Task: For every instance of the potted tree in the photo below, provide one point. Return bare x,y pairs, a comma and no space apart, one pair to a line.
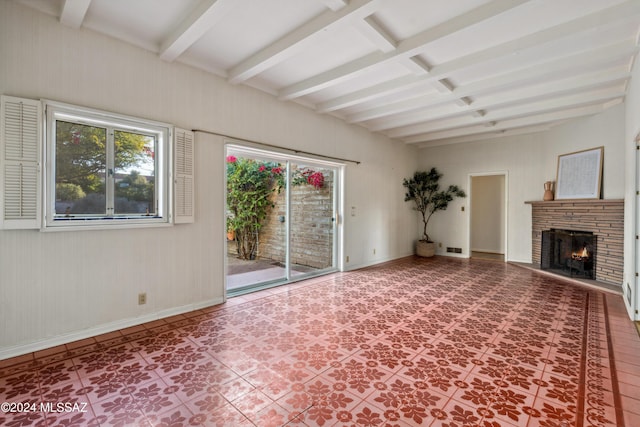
424,190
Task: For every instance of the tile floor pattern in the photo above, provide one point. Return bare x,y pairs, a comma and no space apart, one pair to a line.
439,342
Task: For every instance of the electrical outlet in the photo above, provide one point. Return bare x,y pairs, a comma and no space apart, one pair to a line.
347,258
142,298
374,251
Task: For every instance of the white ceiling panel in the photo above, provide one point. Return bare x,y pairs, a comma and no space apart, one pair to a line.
406,18
426,72
525,24
242,30
329,50
140,22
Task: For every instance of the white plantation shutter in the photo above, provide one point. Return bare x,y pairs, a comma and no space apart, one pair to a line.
183,177
20,148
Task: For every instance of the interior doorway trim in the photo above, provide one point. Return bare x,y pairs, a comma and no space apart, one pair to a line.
631,292
505,174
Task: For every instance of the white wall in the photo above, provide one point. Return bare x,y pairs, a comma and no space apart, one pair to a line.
632,131
487,213
529,160
59,286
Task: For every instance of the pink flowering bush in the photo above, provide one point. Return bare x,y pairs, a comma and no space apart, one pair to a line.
316,179
308,176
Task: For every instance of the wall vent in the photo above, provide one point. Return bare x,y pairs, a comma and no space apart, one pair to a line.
454,250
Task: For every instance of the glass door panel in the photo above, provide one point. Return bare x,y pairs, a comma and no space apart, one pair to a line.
256,244
312,224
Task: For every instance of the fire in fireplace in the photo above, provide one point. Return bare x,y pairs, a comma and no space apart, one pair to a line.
569,252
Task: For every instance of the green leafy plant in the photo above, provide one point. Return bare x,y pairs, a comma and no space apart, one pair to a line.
81,156
424,190
250,185
67,191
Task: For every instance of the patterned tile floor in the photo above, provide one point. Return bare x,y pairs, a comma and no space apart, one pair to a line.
433,342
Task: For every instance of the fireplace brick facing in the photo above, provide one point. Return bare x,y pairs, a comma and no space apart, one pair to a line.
604,218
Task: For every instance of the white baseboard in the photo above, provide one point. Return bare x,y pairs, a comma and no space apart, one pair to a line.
374,262
453,255
19,350
528,261
488,251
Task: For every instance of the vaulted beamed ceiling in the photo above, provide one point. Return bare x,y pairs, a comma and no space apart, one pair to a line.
426,72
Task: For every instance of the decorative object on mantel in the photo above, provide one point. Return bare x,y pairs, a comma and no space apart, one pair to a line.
579,174
424,190
548,191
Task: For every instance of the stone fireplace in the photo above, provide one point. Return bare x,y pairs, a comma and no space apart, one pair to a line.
603,218
569,252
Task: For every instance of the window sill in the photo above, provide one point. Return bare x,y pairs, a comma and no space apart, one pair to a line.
104,224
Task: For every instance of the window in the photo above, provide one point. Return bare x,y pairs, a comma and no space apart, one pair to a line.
100,169
104,168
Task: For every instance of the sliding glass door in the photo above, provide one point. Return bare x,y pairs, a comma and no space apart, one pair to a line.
281,218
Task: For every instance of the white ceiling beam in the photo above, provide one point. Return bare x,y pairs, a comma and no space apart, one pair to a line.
416,103
407,48
512,112
437,112
73,12
626,11
334,4
371,93
575,64
201,19
578,83
534,120
416,65
377,35
490,134
445,86
296,40
513,97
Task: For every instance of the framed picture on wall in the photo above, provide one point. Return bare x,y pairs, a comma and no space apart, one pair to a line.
579,174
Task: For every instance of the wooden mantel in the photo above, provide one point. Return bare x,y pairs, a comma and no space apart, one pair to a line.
602,217
594,202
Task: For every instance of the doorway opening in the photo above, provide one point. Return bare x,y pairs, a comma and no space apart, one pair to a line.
488,216
630,290
281,215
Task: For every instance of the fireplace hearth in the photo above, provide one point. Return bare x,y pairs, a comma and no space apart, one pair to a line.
569,252
602,217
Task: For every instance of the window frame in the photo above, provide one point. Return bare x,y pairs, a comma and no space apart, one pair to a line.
55,111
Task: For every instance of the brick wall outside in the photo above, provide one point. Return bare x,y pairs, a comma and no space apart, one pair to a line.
604,218
312,231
